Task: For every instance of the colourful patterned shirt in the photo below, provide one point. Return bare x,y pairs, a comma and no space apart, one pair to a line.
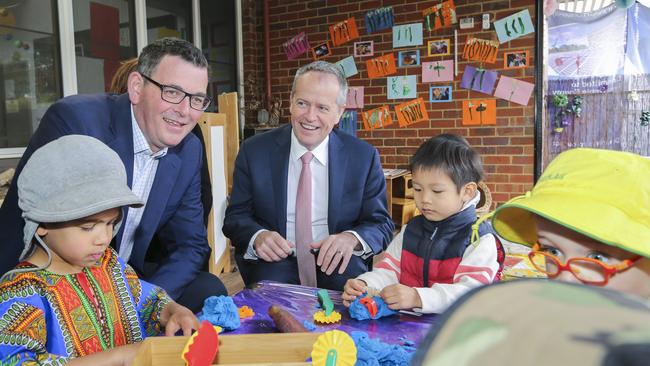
47,318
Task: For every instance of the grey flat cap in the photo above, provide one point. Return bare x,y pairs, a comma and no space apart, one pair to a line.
72,177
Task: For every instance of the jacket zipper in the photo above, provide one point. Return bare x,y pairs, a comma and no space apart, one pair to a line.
425,268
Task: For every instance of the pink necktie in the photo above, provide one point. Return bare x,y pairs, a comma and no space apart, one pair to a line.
306,261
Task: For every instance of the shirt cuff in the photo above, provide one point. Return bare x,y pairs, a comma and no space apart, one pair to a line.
250,251
365,251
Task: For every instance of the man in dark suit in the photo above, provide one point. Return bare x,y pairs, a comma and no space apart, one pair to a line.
149,127
348,221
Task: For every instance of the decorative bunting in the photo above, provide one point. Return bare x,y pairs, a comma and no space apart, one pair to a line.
480,112
440,16
381,66
376,118
296,46
411,112
343,32
481,50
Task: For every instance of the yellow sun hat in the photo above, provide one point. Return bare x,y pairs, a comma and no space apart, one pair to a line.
602,194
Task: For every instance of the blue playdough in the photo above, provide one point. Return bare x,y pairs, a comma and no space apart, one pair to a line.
309,325
373,352
359,312
221,311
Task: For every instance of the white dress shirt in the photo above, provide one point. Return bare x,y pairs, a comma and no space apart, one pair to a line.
319,196
145,165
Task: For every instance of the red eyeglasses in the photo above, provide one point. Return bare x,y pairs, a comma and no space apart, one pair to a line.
588,270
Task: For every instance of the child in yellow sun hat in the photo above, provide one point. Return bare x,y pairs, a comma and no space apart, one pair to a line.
587,220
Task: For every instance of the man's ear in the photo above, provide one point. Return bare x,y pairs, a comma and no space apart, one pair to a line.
41,231
135,84
468,191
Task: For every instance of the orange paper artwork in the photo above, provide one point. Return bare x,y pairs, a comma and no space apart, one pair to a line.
481,50
480,112
411,112
376,118
344,31
381,66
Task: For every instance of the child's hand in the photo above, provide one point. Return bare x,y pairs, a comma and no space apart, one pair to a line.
118,356
399,297
175,317
353,288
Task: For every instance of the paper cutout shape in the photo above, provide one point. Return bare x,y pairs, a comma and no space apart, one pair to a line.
514,90
481,50
376,118
515,60
411,112
381,66
439,94
296,46
348,122
437,71
408,58
343,32
348,66
480,112
364,49
355,97
479,79
514,26
202,347
407,35
439,47
321,50
379,19
440,16
401,87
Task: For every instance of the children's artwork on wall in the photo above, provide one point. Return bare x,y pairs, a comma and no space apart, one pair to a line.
515,60
514,90
437,71
296,46
381,66
379,19
364,49
407,35
402,87
408,58
355,97
514,26
440,16
348,122
376,118
480,112
479,79
411,112
321,50
348,66
343,32
481,50
439,47
439,94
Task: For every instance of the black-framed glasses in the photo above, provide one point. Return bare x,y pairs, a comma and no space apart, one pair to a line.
175,95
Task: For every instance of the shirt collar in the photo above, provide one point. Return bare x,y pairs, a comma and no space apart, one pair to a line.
140,144
320,152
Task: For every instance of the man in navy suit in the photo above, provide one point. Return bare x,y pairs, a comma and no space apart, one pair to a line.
149,128
349,219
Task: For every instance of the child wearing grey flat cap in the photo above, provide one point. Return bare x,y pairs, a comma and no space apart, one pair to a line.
71,300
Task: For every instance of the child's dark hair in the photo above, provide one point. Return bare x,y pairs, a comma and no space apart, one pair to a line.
453,155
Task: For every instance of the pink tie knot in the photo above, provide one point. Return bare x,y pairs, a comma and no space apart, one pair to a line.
306,158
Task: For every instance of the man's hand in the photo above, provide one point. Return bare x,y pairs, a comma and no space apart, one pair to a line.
272,247
175,317
333,250
399,297
353,288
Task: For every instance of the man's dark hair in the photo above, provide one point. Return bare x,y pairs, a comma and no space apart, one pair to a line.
453,155
154,52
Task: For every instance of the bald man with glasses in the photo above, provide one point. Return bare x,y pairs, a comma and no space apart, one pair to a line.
149,127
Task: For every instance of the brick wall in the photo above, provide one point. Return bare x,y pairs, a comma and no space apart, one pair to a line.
507,148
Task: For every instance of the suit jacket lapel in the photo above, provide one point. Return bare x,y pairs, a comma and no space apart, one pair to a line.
279,162
337,168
